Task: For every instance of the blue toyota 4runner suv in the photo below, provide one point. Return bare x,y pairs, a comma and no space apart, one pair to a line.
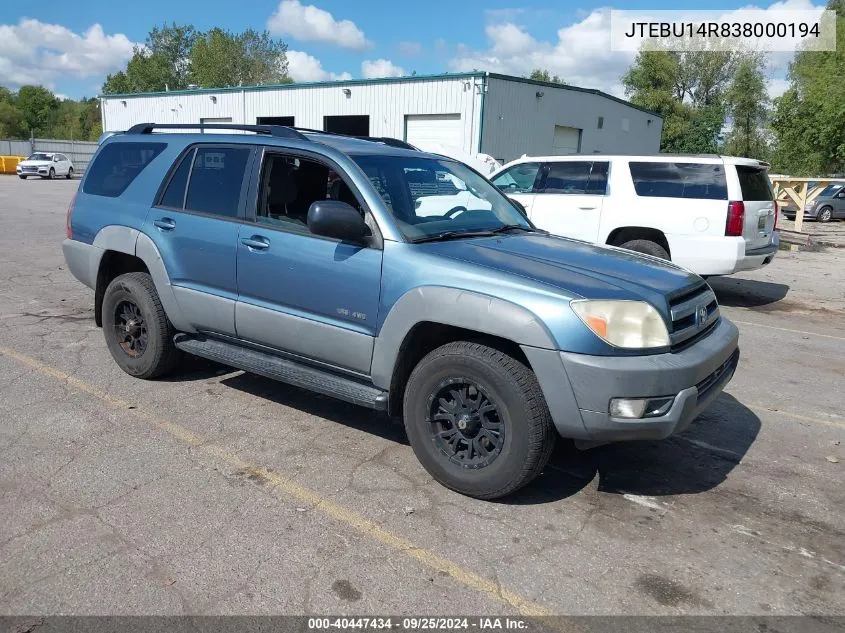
396,280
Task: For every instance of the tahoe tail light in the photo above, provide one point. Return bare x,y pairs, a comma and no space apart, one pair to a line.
736,219
777,213
68,231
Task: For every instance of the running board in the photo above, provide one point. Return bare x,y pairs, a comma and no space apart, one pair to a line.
284,370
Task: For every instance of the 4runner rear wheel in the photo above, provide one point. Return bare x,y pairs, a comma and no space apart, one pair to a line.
138,333
477,420
646,246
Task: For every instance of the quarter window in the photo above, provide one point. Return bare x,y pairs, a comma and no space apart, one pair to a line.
117,165
174,195
695,181
217,177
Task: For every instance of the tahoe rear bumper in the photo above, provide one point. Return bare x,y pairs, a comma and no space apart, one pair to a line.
580,392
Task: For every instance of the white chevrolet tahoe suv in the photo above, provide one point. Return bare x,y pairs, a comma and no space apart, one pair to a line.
714,215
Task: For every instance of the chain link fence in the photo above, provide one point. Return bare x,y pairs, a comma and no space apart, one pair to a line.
79,152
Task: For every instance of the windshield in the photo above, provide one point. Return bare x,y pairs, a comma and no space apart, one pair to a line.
38,156
829,191
429,196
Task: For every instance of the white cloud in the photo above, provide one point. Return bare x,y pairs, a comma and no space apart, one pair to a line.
311,24
581,53
410,49
305,67
374,68
776,87
34,52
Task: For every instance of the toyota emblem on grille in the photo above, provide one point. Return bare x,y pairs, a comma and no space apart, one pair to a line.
700,315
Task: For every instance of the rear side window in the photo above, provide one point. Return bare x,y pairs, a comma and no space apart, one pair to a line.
117,165
754,184
174,195
568,177
598,179
696,181
216,181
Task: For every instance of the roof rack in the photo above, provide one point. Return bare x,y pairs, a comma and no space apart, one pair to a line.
386,140
270,130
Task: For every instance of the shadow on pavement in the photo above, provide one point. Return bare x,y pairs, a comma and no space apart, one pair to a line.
696,461
747,293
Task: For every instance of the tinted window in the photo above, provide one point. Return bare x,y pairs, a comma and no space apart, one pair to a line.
518,179
216,179
174,195
830,190
754,184
117,165
679,180
568,177
598,179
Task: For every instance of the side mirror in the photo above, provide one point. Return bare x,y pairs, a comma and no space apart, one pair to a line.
338,220
519,206
841,194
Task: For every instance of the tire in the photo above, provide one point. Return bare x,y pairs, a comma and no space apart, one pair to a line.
69,175
526,434
22,177
138,333
825,214
52,174
646,246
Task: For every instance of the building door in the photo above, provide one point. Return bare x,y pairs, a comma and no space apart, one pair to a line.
275,120
431,132
567,140
353,125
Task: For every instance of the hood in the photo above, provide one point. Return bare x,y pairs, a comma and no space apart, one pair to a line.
577,268
36,163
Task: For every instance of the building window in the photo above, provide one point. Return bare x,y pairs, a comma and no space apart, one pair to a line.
600,123
626,125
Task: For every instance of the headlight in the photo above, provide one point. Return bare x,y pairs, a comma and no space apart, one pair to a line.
810,204
629,324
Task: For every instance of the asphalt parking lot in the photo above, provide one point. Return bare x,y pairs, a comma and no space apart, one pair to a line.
216,492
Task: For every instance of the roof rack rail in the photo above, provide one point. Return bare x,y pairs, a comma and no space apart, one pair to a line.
387,140
270,130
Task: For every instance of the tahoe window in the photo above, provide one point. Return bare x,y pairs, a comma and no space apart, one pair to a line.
679,180
518,179
754,184
117,165
576,178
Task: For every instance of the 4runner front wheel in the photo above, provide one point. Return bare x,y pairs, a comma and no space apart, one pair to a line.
138,333
477,420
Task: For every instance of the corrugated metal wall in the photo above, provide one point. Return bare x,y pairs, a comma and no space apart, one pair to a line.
386,103
79,152
517,122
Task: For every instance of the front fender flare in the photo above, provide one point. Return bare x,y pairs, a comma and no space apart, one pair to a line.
459,308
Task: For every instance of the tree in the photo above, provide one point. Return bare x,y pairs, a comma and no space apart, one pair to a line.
162,64
747,104
11,121
540,74
808,118
220,59
38,107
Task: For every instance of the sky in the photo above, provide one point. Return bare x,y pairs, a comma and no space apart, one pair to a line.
71,47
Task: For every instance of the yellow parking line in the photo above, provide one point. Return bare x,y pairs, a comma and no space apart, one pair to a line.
786,329
297,492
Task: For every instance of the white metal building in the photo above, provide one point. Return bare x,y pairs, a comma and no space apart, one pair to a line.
477,112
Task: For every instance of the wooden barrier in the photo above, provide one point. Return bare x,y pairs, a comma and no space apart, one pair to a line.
798,191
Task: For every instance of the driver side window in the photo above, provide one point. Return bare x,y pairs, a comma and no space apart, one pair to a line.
518,179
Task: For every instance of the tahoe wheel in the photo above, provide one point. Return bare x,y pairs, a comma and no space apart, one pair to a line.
138,333
477,420
825,214
646,246
69,173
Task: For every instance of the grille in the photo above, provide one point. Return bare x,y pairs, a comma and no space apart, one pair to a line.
29,168
729,365
694,314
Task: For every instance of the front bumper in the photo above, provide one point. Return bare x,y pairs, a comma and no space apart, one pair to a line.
694,377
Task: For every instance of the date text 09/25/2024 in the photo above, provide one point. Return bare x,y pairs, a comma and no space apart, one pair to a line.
418,623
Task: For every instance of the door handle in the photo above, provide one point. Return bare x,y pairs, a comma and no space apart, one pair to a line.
256,243
587,208
165,224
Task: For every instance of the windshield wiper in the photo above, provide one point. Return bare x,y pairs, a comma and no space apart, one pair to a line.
527,229
451,235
